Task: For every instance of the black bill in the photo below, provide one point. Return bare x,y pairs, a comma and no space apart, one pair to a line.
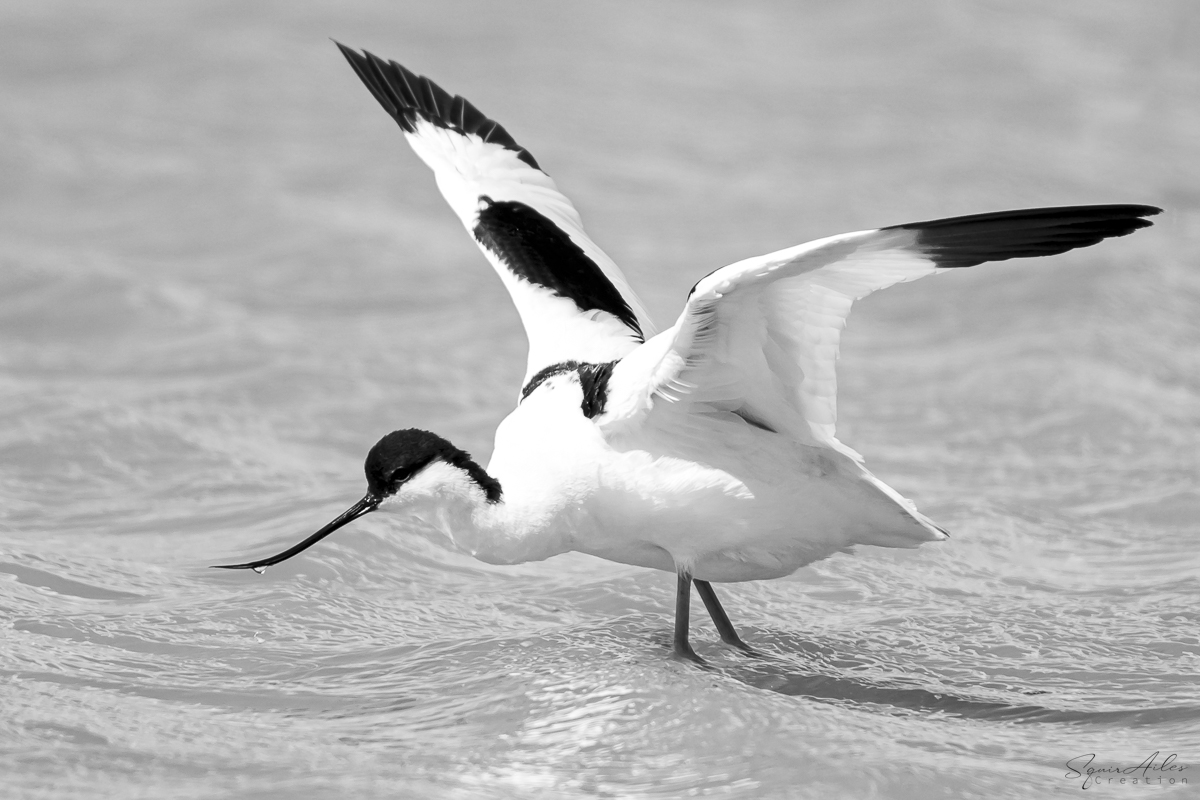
366,505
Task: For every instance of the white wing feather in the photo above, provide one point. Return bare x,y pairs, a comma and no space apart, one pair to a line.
760,337
466,169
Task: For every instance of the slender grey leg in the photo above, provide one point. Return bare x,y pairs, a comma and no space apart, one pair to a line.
719,617
683,602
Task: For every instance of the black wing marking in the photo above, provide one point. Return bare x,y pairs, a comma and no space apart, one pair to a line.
405,95
537,250
967,241
593,379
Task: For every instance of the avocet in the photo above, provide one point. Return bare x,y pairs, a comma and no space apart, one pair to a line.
707,450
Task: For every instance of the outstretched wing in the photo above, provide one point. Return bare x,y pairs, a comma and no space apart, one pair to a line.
760,338
573,300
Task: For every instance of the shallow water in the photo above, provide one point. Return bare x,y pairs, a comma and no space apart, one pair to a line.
223,276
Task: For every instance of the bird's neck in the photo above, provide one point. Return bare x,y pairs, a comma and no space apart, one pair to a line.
472,509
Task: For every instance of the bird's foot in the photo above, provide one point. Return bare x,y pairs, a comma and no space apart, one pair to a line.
684,652
738,644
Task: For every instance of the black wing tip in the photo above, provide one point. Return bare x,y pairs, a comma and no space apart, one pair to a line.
1024,233
1047,215
418,95
252,565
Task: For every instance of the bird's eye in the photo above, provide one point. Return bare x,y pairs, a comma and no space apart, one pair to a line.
400,475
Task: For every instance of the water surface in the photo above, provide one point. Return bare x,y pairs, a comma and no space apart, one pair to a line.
223,276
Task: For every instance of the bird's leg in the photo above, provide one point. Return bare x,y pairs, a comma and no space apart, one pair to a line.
683,602
719,617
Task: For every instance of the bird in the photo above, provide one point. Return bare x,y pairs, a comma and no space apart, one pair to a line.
708,449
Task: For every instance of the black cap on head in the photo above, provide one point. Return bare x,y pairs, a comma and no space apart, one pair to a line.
398,456
401,454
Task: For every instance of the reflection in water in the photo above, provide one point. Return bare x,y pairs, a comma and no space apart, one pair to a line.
895,699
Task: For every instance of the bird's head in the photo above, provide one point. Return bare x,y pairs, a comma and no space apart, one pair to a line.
403,469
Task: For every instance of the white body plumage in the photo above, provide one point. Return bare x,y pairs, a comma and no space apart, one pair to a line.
713,494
